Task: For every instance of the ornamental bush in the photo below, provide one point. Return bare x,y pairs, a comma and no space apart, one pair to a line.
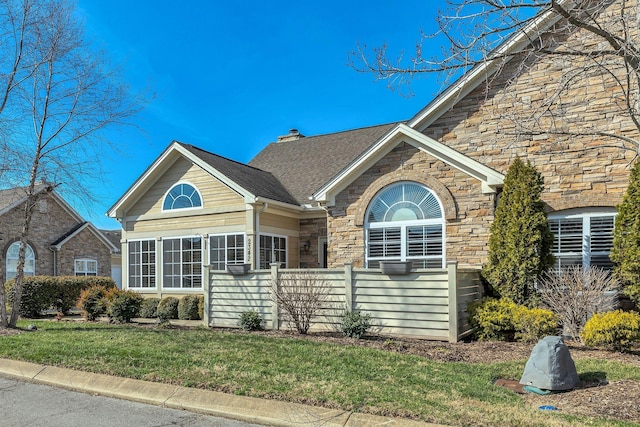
531,324
93,302
188,308
520,240
492,319
59,293
168,309
149,308
625,252
355,324
250,320
618,330
123,305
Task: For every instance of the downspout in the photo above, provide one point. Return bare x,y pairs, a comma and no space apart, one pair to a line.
256,227
55,259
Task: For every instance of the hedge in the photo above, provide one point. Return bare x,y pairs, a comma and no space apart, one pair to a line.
59,293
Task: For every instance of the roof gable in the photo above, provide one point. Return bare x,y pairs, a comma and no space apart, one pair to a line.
249,182
77,230
489,178
304,165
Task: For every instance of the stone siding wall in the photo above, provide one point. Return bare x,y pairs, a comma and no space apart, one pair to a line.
50,222
311,230
493,125
84,245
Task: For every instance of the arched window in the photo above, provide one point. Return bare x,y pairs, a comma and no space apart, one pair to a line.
12,261
182,196
404,222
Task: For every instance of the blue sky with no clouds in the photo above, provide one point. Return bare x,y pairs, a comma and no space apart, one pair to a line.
231,76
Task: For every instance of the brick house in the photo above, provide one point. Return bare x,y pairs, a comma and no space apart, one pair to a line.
422,190
61,242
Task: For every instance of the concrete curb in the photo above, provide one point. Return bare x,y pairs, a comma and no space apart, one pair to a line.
248,409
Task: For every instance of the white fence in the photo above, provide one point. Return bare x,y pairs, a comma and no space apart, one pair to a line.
428,303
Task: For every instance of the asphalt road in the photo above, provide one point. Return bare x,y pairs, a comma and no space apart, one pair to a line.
30,405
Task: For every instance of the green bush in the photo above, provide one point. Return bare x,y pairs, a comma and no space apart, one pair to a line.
93,302
618,330
520,240
355,324
492,319
59,293
124,306
250,320
188,308
531,324
149,308
167,309
201,306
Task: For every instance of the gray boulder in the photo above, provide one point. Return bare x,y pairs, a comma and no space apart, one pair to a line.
550,366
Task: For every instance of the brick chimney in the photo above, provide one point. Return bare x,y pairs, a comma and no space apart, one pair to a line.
291,136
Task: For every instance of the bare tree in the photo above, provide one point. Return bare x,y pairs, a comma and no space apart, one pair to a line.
301,296
489,36
576,293
57,96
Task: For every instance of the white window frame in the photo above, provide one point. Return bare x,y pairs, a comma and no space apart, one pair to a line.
85,270
29,261
164,198
273,250
182,263
586,215
404,229
226,248
153,278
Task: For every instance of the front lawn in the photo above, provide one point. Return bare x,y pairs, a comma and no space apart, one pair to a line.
349,377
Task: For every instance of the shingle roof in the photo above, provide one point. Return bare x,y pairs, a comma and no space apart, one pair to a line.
113,236
254,180
304,165
14,196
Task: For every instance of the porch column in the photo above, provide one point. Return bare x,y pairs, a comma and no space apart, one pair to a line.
452,270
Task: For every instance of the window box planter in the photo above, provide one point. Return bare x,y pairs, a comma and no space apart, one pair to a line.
396,267
238,269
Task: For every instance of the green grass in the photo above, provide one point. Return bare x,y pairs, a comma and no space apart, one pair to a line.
346,377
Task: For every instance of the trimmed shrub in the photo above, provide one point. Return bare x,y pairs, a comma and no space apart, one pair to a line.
167,309
492,319
618,330
250,320
188,308
93,302
149,308
123,305
60,293
355,324
520,240
531,324
201,306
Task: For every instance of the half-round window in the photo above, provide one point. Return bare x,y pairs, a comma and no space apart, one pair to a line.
182,196
12,261
404,222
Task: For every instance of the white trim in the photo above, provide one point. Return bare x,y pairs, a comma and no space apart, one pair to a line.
489,178
202,262
125,263
286,247
471,79
208,250
192,208
85,260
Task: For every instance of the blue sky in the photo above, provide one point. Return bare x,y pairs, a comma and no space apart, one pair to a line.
230,76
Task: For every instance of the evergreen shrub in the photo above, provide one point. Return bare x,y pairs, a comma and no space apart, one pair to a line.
532,324
520,240
93,302
618,330
167,309
123,305
188,308
355,324
149,308
250,320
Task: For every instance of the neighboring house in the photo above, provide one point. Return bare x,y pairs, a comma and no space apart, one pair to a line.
423,190
60,243
114,237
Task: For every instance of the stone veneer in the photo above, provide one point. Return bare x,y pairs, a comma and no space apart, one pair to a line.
50,222
493,125
311,230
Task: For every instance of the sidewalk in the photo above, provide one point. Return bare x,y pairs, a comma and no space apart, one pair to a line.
249,409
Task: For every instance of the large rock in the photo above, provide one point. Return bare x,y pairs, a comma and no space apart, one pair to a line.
550,366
